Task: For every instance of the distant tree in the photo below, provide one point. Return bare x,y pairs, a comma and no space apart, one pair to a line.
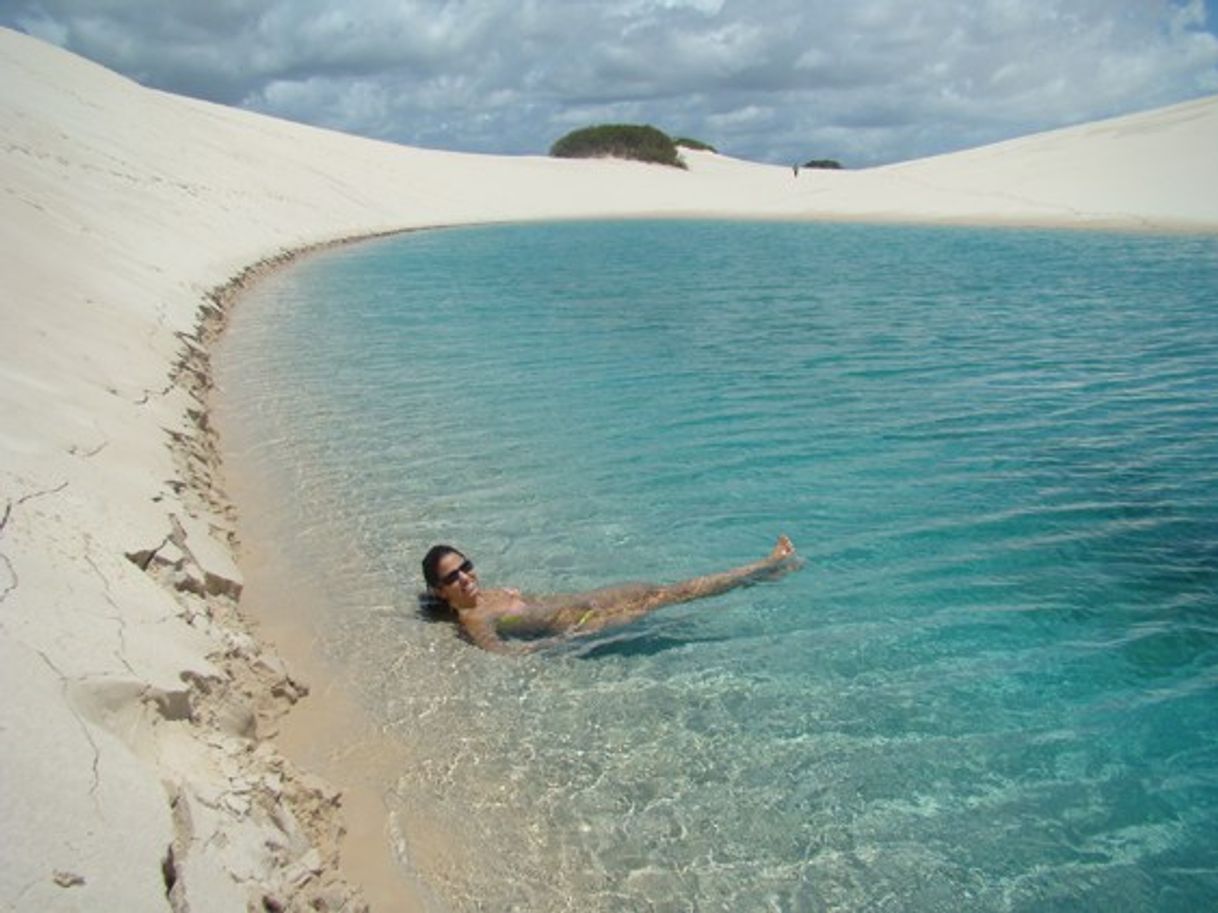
625,141
822,163
694,144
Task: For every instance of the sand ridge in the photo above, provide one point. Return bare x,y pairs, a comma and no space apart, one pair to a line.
136,771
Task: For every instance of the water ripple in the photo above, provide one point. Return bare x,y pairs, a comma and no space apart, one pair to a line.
993,687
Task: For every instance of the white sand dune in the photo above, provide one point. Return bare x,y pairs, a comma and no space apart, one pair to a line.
132,775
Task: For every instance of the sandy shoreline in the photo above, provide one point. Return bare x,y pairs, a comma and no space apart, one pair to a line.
137,773
328,733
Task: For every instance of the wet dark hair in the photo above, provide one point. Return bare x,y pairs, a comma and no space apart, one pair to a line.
432,560
433,608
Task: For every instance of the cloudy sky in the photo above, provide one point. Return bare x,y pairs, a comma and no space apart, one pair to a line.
863,81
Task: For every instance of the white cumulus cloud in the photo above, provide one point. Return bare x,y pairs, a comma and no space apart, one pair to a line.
865,82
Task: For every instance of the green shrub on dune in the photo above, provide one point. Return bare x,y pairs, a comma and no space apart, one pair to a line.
624,141
694,144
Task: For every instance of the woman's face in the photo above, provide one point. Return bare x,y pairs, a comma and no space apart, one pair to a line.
457,581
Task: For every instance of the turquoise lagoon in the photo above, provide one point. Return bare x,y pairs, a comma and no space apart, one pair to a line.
993,686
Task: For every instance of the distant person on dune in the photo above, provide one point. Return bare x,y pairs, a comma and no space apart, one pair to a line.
485,616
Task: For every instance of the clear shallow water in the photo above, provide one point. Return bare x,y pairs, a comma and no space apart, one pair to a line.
994,685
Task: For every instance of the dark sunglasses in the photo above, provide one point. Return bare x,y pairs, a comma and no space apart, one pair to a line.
466,568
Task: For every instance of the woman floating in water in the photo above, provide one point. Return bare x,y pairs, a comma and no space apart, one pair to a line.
485,616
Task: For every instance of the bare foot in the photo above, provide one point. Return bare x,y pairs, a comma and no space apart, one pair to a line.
782,549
